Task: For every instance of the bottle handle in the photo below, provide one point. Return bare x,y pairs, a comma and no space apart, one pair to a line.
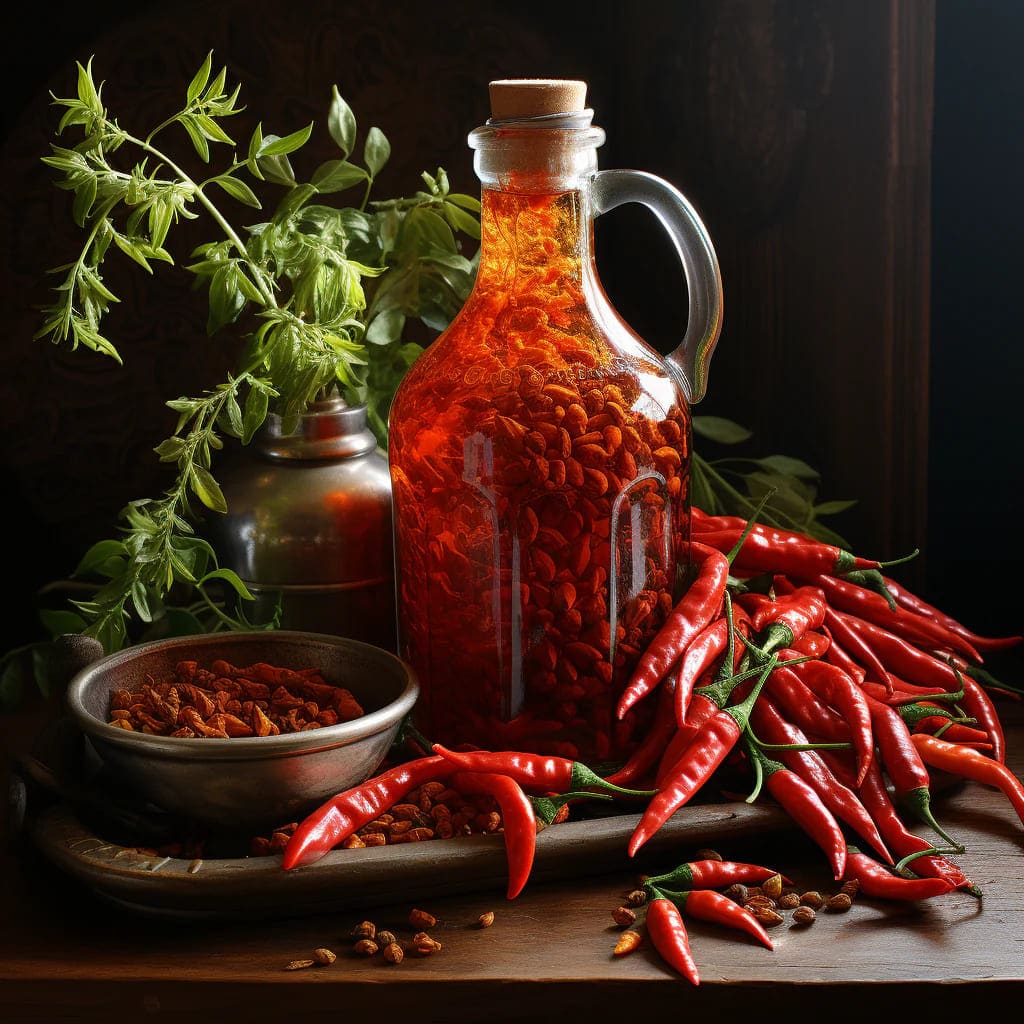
696,253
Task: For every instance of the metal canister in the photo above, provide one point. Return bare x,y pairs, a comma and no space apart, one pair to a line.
309,523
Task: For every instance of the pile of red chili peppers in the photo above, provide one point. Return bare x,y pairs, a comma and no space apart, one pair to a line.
835,686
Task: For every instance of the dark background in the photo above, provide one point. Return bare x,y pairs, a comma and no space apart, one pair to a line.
773,117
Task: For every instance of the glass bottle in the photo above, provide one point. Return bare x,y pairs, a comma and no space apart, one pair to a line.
540,451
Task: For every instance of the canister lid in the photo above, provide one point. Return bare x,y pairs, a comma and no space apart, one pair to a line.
513,98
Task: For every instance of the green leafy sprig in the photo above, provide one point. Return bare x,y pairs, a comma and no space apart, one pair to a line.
330,287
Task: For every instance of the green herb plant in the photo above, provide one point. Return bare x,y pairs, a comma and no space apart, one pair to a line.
329,288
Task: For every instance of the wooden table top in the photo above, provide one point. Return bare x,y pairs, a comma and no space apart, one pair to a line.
64,955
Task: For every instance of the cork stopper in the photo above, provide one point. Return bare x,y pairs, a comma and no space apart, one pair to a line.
514,98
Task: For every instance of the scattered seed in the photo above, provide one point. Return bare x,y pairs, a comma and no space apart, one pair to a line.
813,899
803,916
365,947
789,901
623,917
851,887
840,903
298,965
485,920
420,919
768,917
738,892
393,953
385,938
364,930
772,887
323,955
637,898
708,855
628,941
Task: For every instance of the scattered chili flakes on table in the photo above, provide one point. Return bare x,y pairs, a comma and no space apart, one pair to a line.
225,701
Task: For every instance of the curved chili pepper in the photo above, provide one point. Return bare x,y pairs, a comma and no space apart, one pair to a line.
697,608
847,597
701,709
897,836
812,644
708,905
902,692
805,807
334,821
767,549
877,882
698,658
546,773
903,764
969,764
836,655
803,708
808,764
660,732
856,647
977,704
836,688
713,874
914,603
668,934
905,660
789,617
954,732
520,825
709,748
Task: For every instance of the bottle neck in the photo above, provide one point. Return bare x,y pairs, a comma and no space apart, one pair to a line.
536,217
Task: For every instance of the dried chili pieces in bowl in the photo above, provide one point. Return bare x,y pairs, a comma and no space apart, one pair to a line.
237,782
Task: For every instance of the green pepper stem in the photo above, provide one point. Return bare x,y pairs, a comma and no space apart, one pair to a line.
583,777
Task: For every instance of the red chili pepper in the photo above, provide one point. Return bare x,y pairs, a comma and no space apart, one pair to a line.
902,762
805,807
915,604
767,549
905,660
877,882
787,618
713,874
847,597
977,704
338,818
700,711
520,825
835,655
659,734
699,657
812,644
804,709
836,688
709,748
668,934
953,732
808,764
970,764
708,905
897,836
902,692
854,644
697,608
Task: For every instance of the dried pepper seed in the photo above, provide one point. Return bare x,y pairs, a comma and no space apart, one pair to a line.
765,915
486,920
813,899
323,955
738,892
765,902
772,886
851,887
636,898
623,917
789,901
393,953
298,965
840,903
384,938
421,920
628,941
365,947
803,916
364,930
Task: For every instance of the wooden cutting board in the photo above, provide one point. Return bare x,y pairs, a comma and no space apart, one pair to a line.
257,887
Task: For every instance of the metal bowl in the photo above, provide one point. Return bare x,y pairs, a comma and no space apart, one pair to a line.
247,782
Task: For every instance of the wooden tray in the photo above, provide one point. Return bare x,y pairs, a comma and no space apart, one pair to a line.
256,887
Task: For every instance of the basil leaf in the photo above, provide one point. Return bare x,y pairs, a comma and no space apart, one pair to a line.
724,431
198,84
341,123
273,145
256,404
207,490
232,578
376,151
337,175
238,190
